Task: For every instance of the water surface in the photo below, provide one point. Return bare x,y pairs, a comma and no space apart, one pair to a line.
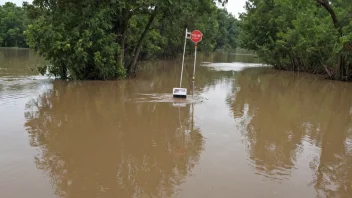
245,130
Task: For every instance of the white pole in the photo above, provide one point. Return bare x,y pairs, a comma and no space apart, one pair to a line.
183,59
193,88
195,60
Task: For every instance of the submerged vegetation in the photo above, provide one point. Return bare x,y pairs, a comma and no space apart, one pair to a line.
301,35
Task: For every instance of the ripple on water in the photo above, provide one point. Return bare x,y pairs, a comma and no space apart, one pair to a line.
166,98
272,171
14,88
274,163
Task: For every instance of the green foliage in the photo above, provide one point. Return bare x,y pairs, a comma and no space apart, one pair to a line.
219,30
227,32
105,39
13,21
82,48
299,35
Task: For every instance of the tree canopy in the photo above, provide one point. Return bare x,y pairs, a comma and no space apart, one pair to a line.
105,39
313,36
13,21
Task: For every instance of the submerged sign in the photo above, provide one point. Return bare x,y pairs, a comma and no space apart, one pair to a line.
180,92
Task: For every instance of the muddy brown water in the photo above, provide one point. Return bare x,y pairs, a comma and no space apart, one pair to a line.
244,131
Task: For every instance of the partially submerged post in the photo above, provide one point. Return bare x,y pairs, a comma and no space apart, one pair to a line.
195,36
181,92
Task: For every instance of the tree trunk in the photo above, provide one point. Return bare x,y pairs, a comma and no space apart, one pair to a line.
63,72
341,72
326,5
131,70
341,62
122,33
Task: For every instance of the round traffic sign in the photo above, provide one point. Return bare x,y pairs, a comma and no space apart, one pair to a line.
196,36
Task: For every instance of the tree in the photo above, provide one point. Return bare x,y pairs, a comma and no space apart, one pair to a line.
13,21
103,39
227,34
344,51
299,35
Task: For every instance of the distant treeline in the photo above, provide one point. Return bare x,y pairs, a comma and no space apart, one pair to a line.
13,22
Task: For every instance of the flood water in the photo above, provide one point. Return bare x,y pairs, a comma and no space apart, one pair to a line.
245,130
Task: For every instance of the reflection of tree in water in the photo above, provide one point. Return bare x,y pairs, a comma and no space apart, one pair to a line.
94,144
334,167
273,137
12,53
19,62
286,110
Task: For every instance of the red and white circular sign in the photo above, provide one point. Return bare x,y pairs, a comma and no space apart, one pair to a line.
196,36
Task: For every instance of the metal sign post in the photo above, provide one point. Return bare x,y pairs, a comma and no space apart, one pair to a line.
194,67
182,92
183,58
195,60
195,36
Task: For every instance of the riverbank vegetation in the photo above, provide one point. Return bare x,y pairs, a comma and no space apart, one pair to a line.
105,39
301,35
